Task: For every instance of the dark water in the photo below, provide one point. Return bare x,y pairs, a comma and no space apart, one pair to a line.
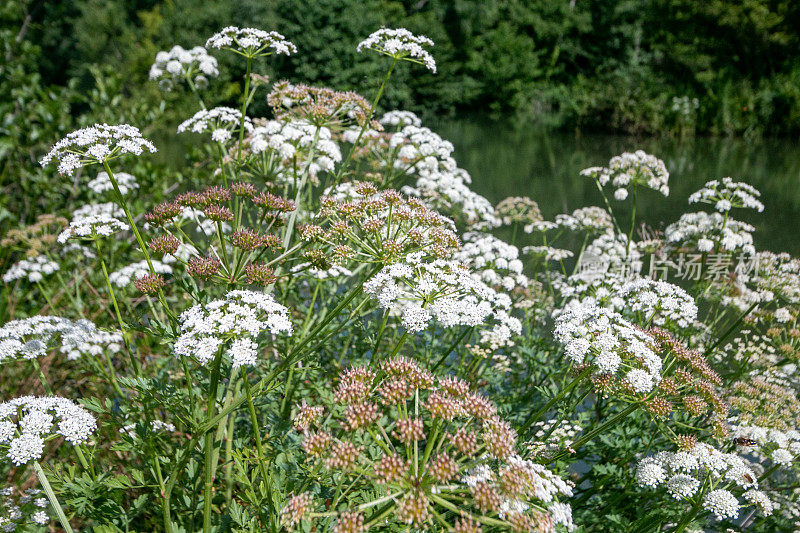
525,162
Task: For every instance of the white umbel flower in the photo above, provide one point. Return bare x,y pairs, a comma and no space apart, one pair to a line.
603,338
92,227
631,169
251,42
722,504
34,269
727,194
400,44
102,183
96,144
220,121
240,318
32,337
39,419
178,64
658,302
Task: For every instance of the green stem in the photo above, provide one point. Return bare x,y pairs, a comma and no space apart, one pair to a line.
208,478
611,422
134,362
42,377
262,463
633,223
343,166
181,462
245,99
687,518
124,205
48,490
452,347
46,297
730,330
608,206
533,417
84,462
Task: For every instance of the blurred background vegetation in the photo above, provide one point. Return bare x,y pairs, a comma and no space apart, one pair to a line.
722,67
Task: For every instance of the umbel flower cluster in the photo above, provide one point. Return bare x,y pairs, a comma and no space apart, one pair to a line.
26,423
220,121
251,42
706,475
610,345
440,447
727,194
444,293
22,510
630,170
34,269
96,144
565,377
32,337
372,227
193,66
400,44
230,326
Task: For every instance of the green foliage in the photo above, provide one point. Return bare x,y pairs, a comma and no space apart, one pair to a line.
612,65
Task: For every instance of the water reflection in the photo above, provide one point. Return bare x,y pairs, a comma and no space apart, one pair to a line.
508,162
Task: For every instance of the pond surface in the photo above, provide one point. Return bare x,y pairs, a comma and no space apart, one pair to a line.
544,166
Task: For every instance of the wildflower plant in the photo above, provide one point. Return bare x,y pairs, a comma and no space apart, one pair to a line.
425,452
484,383
401,45
711,481
22,510
727,194
177,65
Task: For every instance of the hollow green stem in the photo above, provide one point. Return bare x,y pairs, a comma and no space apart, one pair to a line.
687,518
364,127
48,490
134,362
533,417
245,100
42,377
208,451
124,205
588,436
46,296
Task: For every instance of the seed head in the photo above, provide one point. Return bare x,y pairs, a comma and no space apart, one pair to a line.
409,429
486,497
203,267
413,508
306,415
443,468
296,508
218,213
360,415
317,443
241,188
162,213
466,524
165,244
259,274
343,456
350,523
149,283
390,468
